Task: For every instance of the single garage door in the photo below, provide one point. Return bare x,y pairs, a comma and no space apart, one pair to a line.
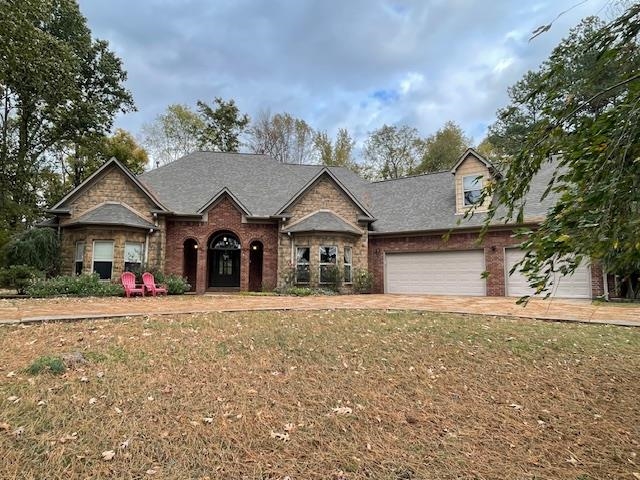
435,273
577,285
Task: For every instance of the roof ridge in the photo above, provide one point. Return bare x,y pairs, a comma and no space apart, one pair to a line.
409,176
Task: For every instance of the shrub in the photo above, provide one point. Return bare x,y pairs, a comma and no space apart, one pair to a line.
176,285
38,248
158,275
333,276
78,286
362,281
47,364
19,277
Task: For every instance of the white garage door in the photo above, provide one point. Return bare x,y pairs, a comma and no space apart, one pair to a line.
577,285
435,273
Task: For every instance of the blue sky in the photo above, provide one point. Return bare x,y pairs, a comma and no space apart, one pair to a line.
335,63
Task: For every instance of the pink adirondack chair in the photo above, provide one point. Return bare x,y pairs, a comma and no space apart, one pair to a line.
128,280
151,286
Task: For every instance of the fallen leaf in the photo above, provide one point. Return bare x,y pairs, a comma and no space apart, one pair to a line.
125,444
151,471
207,420
515,406
100,374
150,398
92,400
84,379
342,411
42,403
13,399
11,374
289,427
108,455
280,436
5,426
572,460
117,410
18,431
66,438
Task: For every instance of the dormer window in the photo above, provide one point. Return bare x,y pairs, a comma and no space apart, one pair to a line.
472,189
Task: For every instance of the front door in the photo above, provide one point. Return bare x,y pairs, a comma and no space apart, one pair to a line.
224,262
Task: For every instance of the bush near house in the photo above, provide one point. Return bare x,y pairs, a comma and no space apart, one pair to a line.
38,248
176,285
19,277
78,286
362,281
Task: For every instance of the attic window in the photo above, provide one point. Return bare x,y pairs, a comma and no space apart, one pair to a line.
472,188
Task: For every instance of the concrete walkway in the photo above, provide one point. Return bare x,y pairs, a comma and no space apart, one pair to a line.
38,310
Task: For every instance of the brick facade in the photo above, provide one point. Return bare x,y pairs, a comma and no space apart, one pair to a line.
223,216
493,245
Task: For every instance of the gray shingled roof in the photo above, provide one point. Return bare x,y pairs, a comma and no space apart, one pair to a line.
259,182
263,186
427,202
323,221
113,214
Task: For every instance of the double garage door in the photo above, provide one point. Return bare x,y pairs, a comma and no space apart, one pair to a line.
460,273
435,273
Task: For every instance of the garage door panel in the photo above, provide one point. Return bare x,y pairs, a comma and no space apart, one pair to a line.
435,273
577,285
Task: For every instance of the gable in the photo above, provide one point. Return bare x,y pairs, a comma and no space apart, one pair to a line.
223,208
469,166
111,185
325,194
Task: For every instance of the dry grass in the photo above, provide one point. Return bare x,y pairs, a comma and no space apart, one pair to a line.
431,396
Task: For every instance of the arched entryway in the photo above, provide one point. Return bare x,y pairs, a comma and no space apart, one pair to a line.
190,262
224,261
255,266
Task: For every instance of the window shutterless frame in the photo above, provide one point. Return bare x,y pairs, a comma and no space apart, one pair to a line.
328,256
302,264
102,262
472,189
78,263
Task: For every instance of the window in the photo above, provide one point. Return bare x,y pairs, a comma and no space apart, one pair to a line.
328,258
79,258
348,259
103,258
302,264
472,186
133,256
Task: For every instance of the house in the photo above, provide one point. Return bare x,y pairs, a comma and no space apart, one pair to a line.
246,222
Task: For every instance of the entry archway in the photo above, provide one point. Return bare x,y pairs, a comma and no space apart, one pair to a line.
255,266
190,262
224,261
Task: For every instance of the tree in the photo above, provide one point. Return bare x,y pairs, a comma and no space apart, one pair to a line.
589,97
442,149
173,134
57,85
223,125
283,137
391,152
338,153
38,248
79,161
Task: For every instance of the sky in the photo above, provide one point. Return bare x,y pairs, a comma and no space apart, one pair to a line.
355,64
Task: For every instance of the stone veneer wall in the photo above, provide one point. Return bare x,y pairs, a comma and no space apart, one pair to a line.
323,195
223,216
493,245
112,185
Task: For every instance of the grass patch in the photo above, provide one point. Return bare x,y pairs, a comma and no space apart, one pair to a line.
46,364
339,395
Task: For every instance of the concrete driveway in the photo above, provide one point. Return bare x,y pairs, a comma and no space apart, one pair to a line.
37,310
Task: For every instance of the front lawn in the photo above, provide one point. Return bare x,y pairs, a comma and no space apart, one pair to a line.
337,395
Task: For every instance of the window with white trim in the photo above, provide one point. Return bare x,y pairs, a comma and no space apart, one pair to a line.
328,259
472,189
303,254
103,258
133,254
78,263
348,264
